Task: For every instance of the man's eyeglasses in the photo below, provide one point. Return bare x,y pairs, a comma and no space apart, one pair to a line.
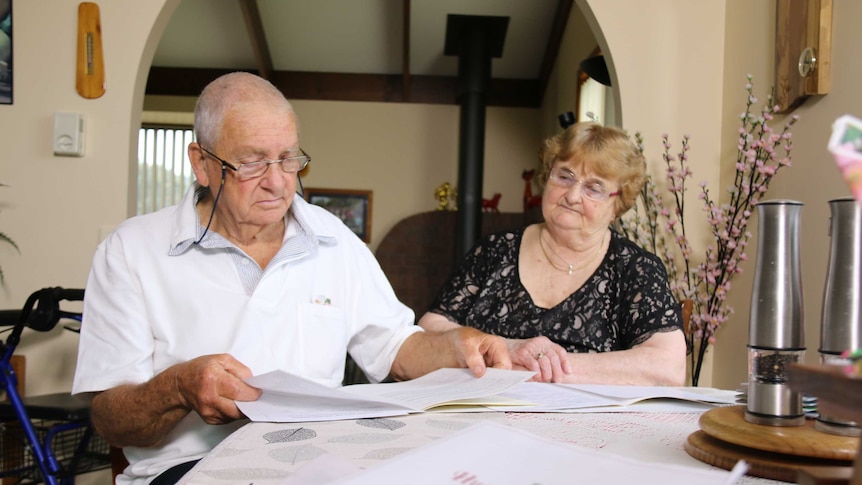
592,189
250,170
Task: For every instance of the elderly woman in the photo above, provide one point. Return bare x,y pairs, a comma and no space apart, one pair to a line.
578,302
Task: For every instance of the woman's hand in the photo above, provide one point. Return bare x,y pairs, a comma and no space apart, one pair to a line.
540,355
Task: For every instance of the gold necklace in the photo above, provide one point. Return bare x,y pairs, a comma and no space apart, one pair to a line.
571,267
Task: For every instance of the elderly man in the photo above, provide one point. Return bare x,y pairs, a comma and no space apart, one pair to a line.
242,277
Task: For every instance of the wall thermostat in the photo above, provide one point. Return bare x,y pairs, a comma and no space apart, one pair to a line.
69,134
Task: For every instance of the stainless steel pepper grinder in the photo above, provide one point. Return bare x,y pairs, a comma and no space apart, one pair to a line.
776,335
841,315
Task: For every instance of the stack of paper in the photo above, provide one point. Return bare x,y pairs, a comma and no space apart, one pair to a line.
288,398
613,398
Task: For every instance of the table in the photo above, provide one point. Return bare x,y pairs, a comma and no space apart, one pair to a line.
273,451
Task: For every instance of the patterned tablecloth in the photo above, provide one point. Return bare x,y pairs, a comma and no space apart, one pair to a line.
269,452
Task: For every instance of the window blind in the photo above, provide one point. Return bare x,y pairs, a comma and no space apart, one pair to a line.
164,171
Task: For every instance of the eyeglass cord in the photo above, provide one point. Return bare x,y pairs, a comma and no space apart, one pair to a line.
218,195
301,189
215,202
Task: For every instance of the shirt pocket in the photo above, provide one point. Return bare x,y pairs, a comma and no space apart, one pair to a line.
323,337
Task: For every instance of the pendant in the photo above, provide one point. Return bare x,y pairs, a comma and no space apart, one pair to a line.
571,269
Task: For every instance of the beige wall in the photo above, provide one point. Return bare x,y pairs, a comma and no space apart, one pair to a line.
678,67
665,59
813,179
403,151
55,208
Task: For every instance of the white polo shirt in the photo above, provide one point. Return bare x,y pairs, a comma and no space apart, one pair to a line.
154,299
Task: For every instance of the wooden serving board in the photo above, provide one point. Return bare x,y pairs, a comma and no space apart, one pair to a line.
728,424
838,393
775,466
90,65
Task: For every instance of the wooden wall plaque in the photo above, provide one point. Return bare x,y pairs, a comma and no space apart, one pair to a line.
90,65
803,41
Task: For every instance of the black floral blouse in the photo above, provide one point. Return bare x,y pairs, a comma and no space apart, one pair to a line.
621,305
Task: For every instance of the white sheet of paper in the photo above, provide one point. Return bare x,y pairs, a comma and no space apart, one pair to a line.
656,405
291,399
442,386
639,393
288,398
489,453
592,398
322,470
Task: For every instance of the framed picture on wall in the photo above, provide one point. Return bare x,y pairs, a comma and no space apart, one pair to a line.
6,52
353,207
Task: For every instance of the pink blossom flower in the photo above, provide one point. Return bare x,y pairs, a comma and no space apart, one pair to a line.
707,281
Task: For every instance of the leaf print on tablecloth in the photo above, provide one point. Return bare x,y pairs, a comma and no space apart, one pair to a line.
384,453
228,452
381,423
294,454
364,438
246,475
290,434
447,425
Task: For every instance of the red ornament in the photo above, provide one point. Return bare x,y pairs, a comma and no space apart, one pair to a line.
490,205
530,200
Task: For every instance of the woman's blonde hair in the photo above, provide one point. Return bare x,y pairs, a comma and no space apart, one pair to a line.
605,150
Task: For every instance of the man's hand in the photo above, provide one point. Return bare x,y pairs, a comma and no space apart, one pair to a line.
425,352
540,354
477,350
143,414
210,384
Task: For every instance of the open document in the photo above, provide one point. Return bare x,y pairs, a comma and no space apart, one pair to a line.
287,398
614,398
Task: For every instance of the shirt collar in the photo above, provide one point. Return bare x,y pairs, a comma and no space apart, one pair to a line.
187,228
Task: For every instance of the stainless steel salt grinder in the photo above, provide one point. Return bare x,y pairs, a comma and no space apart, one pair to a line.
776,331
841,316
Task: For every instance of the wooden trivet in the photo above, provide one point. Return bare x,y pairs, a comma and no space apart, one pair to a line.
728,424
775,466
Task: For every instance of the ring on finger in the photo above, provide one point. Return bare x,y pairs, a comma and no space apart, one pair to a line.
540,355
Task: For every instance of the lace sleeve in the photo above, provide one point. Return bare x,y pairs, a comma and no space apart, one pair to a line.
458,296
652,308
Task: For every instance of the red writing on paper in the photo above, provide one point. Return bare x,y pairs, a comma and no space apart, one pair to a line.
467,478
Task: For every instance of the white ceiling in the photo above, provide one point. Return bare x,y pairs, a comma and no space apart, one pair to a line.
353,36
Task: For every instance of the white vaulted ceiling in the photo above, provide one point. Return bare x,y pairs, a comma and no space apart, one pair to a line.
373,50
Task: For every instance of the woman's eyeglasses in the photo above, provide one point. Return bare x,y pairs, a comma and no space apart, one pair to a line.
592,189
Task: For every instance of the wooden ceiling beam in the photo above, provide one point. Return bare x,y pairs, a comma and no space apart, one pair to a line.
254,25
380,88
552,49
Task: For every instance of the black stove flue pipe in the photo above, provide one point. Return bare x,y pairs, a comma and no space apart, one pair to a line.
475,40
